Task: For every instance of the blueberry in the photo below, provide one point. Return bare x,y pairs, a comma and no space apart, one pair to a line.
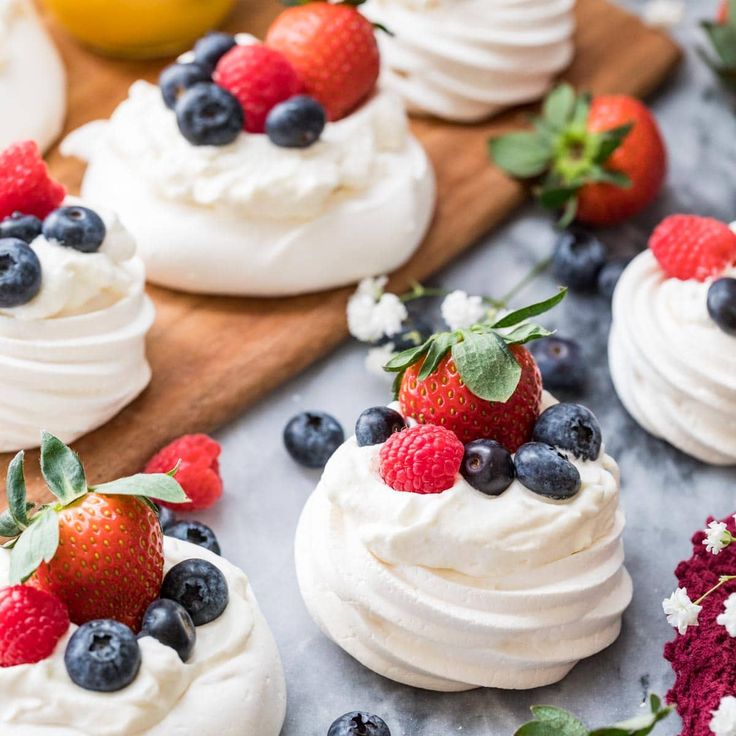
722,304
376,425
358,723
103,656
166,517
168,622
561,363
578,259
570,427
24,227
178,78
20,273
194,532
200,587
296,123
545,471
75,227
211,48
209,115
311,437
488,467
609,276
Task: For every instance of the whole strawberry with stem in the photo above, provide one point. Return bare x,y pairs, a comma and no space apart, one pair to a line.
99,549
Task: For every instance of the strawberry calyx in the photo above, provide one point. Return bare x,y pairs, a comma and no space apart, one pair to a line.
561,155
722,36
481,352
33,530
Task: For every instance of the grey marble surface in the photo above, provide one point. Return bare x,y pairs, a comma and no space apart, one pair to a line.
666,495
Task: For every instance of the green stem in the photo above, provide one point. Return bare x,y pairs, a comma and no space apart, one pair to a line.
537,271
721,582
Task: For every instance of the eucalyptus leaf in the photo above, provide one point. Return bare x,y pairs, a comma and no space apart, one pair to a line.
537,728
62,470
559,105
37,544
523,154
159,486
437,351
487,366
16,491
533,310
564,722
8,525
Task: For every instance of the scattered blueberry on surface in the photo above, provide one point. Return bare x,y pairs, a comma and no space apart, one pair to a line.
208,115
75,227
178,78
195,532
168,622
570,427
20,273
578,259
488,467
103,656
211,48
359,723
561,363
542,469
20,226
200,587
296,123
377,424
609,276
166,517
311,437
722,304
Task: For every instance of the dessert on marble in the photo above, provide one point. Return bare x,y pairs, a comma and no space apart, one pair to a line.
470,535
157,637
265,168
672,349
32,77
73,311
465,60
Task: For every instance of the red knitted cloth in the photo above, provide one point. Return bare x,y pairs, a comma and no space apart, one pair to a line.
704,659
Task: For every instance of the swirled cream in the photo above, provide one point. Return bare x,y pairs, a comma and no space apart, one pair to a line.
465,60
32,78
232,685
251,218
74,356
673,368
460,590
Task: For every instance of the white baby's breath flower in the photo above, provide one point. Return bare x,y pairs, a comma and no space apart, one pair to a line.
378,357
460,310
664,14
723,722
372,286
681,612
727,619
373,313
716,537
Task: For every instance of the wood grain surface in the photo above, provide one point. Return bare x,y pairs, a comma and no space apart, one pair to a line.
212,357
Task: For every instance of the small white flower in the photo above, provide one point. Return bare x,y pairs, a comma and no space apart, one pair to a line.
377,358
723,722
372,286
373,313
681,612
728,617
460,310
716,537
664,14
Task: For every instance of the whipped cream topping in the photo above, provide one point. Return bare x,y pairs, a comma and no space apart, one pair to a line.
673,368
233,683
459,590
466,60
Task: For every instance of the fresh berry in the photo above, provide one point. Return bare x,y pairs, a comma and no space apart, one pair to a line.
692,247
166,517
296,123
198,473
25,184
24,227
722,304
377,424
312,437
422,459
259,77
178,78
488,467
359,723
211,48
200,587
578,259
572,428
334,51
542,469
169,623
31,624
561,363
20,273
722,12
194,532
103,656
75,227
609,276
208,115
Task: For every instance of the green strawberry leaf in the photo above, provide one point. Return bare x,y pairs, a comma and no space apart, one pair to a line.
401,361
555,197
16,492
8,525
437,351
564,722
723,38
537,728
37,544
609,176
523,334
159,486
533,310
610,140
559,106
62,470
523,155
582,111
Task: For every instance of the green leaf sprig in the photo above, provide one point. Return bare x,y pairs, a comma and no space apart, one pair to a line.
722,37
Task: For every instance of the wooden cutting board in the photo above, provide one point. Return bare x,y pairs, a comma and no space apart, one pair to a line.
212,357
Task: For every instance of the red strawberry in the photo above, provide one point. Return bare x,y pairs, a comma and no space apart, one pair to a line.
31,624
259,77
334,51
25,184
722,13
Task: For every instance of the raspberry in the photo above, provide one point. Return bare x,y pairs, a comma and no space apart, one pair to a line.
259,77
691,247
25,184
421,459
199,472
31,624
